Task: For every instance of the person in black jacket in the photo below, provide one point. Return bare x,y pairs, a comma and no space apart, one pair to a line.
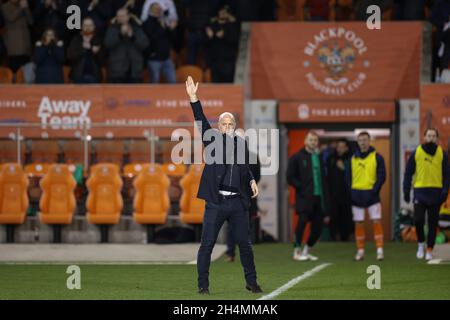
306,174
158,53
255,168
84,55
338,164
223,40
198,13
225,186
49,59
101,11
50,14
125,43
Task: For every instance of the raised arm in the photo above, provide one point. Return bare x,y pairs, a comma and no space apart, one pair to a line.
191,90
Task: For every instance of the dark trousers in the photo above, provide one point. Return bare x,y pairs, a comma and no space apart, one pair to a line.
316,219
16,62
232,210
254,231
419,220
341,222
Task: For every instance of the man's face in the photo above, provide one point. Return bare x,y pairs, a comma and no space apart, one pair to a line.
226,125
122,16
341,148
156,10
431,136
88,26
364,142
312,141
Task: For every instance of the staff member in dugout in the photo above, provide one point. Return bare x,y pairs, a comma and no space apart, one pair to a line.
366,176
429,166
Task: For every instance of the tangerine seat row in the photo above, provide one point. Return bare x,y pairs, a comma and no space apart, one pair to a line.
104,202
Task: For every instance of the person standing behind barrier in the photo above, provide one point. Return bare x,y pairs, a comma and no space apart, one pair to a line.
306,174
366,177
125,42
49,59
429,166
338,165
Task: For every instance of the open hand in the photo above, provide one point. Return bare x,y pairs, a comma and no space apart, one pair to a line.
254,187
191,89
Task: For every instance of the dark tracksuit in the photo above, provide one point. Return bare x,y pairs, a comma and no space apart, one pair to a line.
228,177
366,198
309,207
426,200
341,221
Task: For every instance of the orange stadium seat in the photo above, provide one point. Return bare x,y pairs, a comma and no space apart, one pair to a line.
189,70
13,197
57,203
151,202
104,203
6,75
66,72
192,208
20,76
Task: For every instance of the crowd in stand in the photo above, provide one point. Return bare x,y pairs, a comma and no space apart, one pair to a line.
119,39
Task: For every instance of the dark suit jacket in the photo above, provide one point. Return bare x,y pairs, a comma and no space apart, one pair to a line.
213,172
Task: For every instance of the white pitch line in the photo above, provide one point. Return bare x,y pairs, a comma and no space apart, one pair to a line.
294,281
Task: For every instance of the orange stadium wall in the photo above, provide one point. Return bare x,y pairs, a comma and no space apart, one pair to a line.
62,109
293,61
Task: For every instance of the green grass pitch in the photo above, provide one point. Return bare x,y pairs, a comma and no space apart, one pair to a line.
402,277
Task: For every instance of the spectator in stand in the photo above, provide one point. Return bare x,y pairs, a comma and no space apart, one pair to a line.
409,10
341,10
439,14
49,58
49,14
198,13
18,18
125,42
317,10
85,55
223,38
158,53
251,10
3,52
444,53
133,6
101,11
362,5
169,11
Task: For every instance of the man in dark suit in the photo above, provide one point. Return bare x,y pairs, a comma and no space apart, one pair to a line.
226,186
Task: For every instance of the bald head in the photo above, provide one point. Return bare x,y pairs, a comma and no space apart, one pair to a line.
227,123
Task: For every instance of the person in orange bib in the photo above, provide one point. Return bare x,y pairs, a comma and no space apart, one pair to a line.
366,176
